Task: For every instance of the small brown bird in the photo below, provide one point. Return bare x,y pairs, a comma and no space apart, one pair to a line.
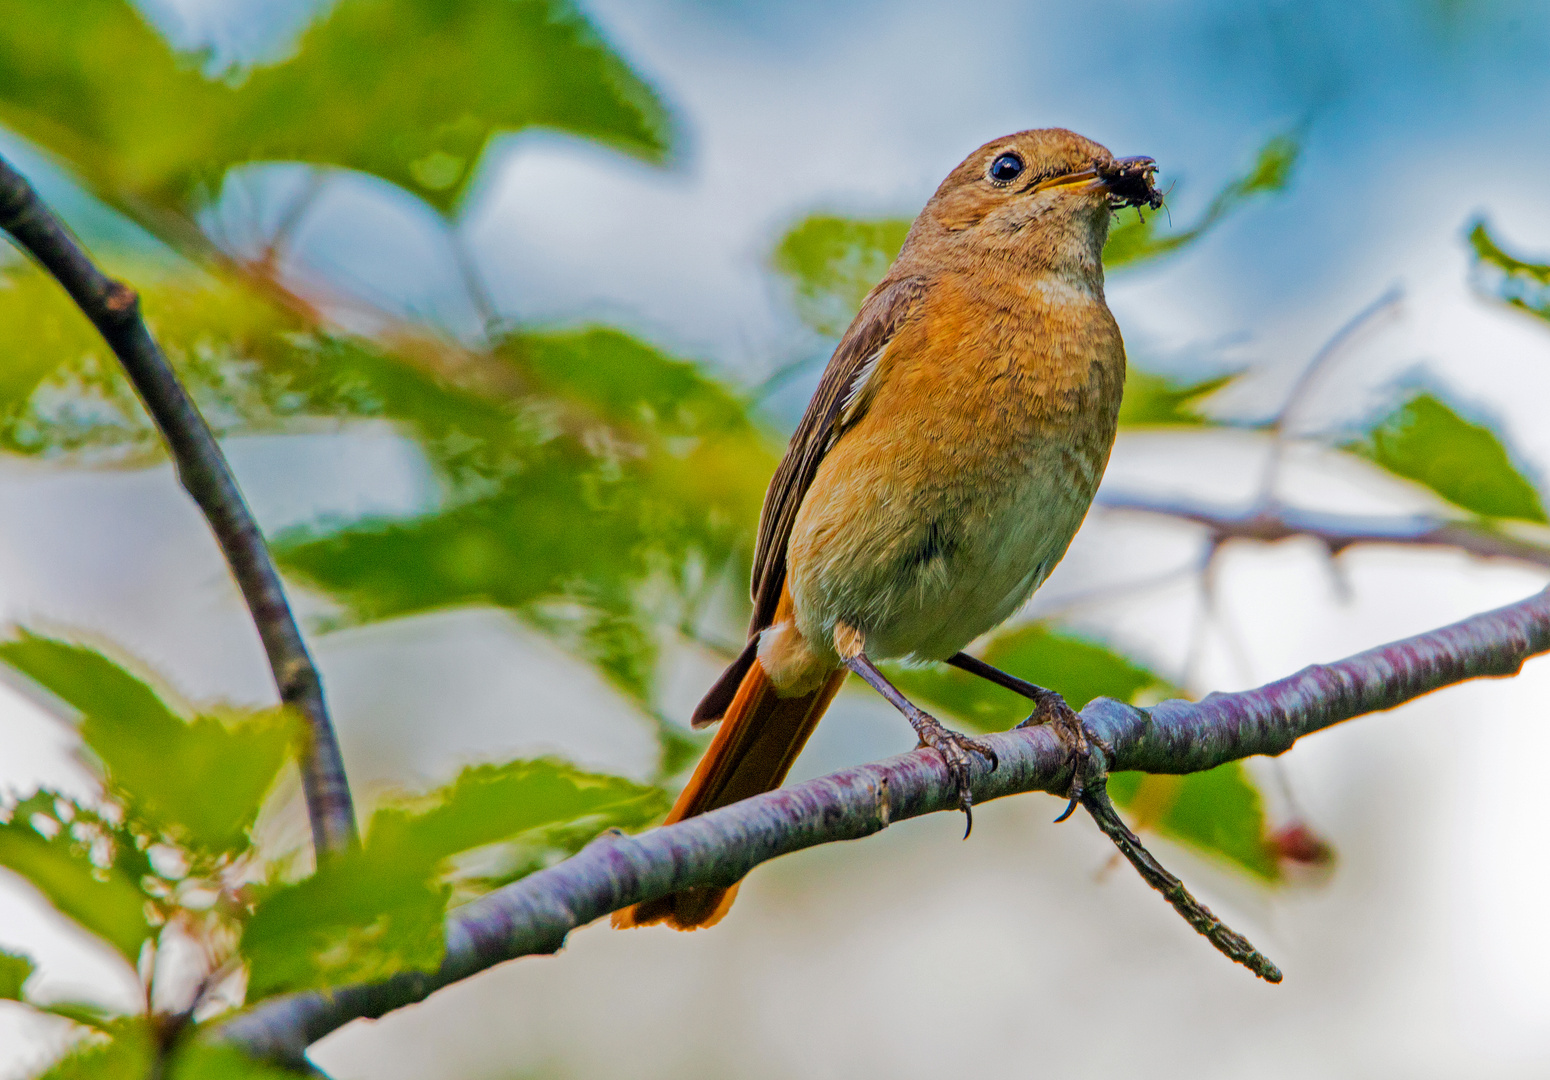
943,466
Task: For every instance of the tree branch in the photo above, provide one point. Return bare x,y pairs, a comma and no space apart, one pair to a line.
203,471
536,914
1335,531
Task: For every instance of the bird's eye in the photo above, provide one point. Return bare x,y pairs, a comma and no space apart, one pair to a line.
1006,168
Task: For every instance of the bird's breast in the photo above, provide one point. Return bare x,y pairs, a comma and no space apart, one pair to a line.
945,504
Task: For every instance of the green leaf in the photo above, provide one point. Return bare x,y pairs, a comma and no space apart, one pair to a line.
1218,811
96,85
489,803
1424,439
1522,284
408,90
15,970
126,1049
833,262
1153,400
1076,668
202,1059
158,765
81,868
413,90
1144,239
380,910
624,471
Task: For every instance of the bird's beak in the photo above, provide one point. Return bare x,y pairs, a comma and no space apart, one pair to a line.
1127,180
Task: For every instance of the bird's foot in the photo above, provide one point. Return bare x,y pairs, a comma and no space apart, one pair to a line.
954,749
1050,708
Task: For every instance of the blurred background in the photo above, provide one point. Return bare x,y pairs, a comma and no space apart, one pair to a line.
504,309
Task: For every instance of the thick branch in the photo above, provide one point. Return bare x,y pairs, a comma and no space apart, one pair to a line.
1335,531
202,469
536,914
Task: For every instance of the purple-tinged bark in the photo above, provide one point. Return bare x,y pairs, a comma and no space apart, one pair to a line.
536,914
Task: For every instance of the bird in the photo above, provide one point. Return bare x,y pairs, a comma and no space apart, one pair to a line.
948,456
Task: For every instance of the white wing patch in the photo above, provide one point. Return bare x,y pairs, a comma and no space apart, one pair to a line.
858,386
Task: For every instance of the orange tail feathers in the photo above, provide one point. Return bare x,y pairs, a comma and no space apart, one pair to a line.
760,737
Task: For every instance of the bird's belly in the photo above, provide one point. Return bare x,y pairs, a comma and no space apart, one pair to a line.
947,602
932,577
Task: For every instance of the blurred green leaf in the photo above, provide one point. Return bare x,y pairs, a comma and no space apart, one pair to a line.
156,763
1143,239
593,507
1524,285
833,262
413,90
81,868
1153,400
408,90
202,1059
379,910
127,1048
489,803
1218,811
1074,667
92,82
85,1013
15,970
1424,439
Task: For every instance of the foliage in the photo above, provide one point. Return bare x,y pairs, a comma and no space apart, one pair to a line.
1524,285
1153,400
1426,440
139,1046
407,90
164,854
15,970
380,909
833,262
1142,239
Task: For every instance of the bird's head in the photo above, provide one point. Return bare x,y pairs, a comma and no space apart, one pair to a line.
1040,197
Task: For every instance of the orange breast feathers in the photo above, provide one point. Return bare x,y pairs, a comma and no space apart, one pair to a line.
964,466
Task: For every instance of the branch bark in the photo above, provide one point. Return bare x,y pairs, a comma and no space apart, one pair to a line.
204,472
1335,531
536,914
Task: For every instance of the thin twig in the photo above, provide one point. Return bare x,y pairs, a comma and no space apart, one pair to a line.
1332,348
474,285
204,472
535,915
1230,943
1336,532
279,242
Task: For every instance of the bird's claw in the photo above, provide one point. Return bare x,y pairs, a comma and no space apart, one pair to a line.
954,750
1079,741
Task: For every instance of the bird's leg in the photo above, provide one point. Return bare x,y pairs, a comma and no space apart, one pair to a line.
953,747
1048,708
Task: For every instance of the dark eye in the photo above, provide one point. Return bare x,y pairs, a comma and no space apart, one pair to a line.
1006,168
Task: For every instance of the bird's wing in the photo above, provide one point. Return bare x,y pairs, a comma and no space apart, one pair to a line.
838,402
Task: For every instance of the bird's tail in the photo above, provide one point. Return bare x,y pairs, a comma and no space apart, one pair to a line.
761,735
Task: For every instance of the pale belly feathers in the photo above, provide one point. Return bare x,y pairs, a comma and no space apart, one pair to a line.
980,546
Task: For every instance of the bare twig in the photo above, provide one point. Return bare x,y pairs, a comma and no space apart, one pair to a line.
1332,348
536,914
203,471
279,242
1336,532
1230,943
